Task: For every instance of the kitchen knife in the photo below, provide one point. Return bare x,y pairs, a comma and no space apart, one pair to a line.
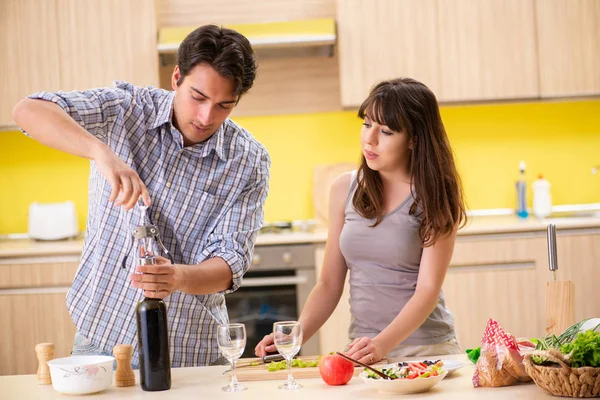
259,361
552,256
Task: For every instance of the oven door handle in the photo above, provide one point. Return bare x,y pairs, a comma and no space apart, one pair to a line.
274,281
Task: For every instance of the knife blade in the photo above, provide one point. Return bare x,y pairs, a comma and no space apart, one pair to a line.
258,361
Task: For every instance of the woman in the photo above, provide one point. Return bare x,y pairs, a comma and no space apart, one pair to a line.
393,225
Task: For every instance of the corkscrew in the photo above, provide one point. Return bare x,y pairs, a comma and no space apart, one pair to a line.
148,240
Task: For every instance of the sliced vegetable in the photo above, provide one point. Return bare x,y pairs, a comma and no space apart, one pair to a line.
410,370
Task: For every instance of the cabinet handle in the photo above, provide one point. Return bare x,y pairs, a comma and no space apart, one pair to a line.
274,281
38,290
39,260
491,267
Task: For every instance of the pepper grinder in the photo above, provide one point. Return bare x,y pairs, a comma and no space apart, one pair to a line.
44,353
124,375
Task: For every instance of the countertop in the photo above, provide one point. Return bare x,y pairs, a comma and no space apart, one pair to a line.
206,383
479,225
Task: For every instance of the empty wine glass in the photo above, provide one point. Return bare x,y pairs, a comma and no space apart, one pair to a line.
232,341
287,336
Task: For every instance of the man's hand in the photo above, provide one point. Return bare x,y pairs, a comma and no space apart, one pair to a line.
126,184
159,280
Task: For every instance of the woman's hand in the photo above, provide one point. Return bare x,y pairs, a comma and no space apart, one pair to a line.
158,281
265,346
365,350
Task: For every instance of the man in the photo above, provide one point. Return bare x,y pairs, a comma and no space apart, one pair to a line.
204,177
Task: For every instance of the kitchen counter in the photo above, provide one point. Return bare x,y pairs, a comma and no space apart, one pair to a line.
478,225
481,225
206,383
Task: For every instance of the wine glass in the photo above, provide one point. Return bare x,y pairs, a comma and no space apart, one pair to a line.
232,341
287,336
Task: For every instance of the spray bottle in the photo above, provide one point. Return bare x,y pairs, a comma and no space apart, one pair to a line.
522,192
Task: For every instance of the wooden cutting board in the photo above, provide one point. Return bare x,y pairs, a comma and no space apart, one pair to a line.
260,372
323,177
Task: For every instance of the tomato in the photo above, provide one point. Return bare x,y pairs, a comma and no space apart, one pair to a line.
336,370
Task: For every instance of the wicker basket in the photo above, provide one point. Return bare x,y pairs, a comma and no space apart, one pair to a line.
560,379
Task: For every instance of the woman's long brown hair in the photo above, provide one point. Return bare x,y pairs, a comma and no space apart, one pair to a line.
406,105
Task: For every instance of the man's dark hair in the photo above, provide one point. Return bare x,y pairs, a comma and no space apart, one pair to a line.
227,51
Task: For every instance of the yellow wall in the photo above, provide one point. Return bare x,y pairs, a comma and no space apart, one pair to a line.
559,139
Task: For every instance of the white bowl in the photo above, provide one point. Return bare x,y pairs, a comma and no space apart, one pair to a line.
81,374
402,385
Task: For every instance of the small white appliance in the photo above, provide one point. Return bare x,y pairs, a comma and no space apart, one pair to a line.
52,221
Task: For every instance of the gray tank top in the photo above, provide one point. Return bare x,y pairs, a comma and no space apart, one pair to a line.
384,264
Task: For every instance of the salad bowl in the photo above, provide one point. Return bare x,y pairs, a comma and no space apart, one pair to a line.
407,380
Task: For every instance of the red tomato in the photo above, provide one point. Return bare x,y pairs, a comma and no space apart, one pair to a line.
336,370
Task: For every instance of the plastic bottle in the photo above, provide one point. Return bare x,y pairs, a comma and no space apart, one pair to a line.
522,192
542,199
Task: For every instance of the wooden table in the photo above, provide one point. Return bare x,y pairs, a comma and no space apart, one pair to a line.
206,383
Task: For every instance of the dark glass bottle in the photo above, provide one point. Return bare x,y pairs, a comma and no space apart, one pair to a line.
151,314
153,345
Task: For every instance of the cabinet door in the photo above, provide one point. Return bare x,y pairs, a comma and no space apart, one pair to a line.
385,39
501,278
30,317
29,48
579,261
487,50
569,47
105,40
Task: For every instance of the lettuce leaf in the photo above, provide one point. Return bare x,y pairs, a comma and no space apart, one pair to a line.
584,349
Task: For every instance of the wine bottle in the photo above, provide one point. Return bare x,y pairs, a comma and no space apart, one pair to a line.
153,345
151,314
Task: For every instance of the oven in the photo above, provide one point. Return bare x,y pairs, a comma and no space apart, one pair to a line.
274,288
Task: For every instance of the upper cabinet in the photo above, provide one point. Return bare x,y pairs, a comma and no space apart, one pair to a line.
378,40
29,48
487,50
69,44
569,47
104,40
468,50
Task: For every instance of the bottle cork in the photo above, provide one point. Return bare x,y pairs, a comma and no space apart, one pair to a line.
44,353
124,375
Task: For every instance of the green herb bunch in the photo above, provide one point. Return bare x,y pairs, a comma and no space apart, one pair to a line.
582,348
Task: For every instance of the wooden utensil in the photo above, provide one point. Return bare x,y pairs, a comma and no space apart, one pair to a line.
379,373
560,295
44,353
124,375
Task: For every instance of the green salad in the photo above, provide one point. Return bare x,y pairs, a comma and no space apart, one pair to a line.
409,370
